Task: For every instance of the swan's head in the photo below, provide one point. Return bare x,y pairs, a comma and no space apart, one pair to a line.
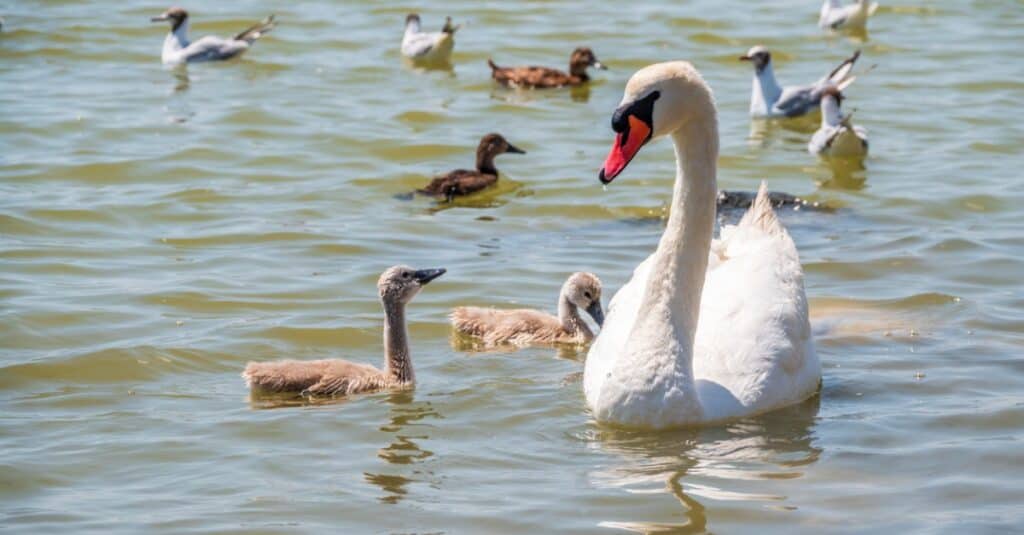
175,15
494,144
399,284
584,291
759,56
659,100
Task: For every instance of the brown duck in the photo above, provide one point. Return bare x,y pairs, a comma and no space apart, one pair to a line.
543,77
466,181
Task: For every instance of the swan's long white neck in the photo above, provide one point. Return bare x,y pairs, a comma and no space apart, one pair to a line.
176,40
766,90
661,341
831,115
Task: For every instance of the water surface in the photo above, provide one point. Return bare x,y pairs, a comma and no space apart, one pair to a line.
160,229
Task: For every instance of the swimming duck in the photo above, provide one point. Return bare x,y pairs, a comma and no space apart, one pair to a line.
178,49
837,137
522,327
466,181
706,330
769,99
836,16
335,377
428,47
544,77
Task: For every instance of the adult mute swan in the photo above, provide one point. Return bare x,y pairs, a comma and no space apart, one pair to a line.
705,330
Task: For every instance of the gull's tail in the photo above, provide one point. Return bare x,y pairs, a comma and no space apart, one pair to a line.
841,73
253,33
448,28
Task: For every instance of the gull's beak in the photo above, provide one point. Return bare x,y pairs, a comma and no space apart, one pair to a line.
626,145
424,276
161,18
514,149
598,65
595,312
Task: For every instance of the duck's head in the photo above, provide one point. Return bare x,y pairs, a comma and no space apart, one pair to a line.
582,58
399,284
659,100
759,56
176,16
584,290
494,144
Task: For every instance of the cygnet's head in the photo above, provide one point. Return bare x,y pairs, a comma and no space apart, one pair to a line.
494,144
175,15
759,56
659,100
584,290
584,57
399,284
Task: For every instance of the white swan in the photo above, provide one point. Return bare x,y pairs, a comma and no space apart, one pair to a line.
670,354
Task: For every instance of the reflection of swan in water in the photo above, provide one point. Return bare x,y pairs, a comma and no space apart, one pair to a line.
745,461
404,415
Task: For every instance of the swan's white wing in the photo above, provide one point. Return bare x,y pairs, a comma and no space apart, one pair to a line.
753,350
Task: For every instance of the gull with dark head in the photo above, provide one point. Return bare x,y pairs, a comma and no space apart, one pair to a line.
178,49
428,47
837,137
836,16
769,99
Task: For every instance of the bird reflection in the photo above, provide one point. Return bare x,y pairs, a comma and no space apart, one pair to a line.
842,173
727,463
404,415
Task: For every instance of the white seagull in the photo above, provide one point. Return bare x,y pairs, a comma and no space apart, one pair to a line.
428,47
769,99
836,16
178,49
837,136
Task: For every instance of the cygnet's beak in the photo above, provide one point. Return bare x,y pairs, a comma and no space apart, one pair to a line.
424,276
595,312
598,65
514,149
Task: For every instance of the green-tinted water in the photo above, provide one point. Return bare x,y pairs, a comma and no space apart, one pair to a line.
158,230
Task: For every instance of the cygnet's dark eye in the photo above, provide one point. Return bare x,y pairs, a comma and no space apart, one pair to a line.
406,274
587,295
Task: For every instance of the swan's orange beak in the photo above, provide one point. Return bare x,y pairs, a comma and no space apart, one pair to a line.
626,145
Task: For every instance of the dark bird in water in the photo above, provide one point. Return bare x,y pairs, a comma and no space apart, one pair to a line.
544,77
465,181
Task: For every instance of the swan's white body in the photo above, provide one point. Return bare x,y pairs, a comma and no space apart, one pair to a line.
835,16
427,47
837,136
706,330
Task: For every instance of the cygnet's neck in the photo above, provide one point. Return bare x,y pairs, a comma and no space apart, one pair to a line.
398,362
569,317
766,87
831,115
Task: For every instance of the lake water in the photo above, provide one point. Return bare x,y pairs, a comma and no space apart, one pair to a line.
158,230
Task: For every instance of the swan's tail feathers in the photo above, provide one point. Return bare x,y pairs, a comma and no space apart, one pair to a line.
842,72
251,34
761,215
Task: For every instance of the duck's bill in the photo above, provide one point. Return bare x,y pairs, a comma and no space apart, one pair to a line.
595,312
424,276
745,58
626,145
599,65
514,149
